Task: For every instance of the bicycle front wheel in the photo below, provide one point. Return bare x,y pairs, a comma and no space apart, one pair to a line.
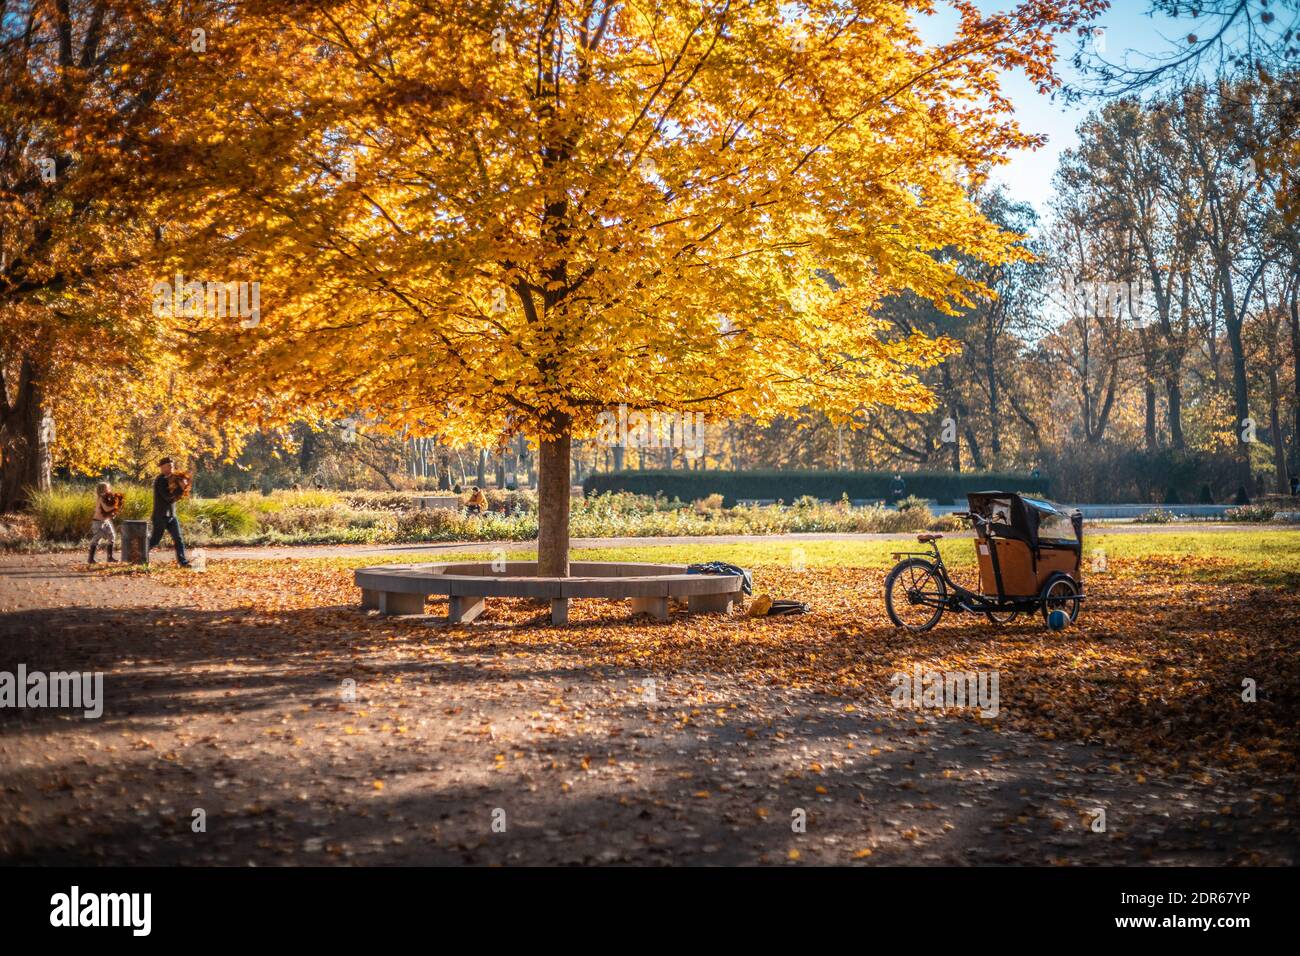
915,595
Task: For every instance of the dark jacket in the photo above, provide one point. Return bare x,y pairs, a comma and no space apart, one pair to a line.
163,506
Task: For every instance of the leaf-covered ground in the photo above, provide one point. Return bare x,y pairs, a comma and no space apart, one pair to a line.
704,740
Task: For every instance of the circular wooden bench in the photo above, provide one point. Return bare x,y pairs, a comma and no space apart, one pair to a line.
403,588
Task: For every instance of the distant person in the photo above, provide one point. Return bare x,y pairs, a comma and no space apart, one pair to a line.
107,506
1295,486
164,512
477,503
897,487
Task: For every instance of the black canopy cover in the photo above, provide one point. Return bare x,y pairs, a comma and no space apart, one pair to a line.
1033,520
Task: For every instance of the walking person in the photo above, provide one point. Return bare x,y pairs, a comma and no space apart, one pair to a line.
107,505
164,512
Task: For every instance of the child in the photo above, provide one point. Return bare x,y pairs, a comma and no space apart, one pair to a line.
101,525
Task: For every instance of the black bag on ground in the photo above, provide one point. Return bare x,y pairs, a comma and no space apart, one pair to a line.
788,607
721,567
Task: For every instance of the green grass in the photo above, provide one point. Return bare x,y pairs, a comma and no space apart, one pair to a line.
1261,550
1267,558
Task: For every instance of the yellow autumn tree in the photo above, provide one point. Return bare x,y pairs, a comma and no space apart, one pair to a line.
491,217
85,161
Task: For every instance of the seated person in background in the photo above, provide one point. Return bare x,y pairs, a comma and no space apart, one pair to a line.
477,503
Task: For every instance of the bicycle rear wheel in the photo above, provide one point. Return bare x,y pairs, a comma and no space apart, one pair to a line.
915,595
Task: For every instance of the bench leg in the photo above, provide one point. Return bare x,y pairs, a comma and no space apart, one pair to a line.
657,607
462,609
370,598
709,603
559,610
393,602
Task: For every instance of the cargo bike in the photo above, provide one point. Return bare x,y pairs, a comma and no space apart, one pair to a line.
1029,550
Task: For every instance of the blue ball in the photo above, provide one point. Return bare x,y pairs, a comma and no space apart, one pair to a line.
1057,620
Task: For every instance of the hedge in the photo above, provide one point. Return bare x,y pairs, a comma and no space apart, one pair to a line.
942,486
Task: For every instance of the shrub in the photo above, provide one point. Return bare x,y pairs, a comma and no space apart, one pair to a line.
787,485
137,502
299,520
441,524
709,503
512,502
283,500
221,517
1156,516
1258,512
428,524
948,523
63,513
393,501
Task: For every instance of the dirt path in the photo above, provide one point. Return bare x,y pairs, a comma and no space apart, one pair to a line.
494,746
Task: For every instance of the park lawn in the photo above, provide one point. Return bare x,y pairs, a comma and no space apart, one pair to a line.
1266,557
1263,557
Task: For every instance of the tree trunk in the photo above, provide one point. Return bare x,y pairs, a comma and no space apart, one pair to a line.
24,444
977,457
995,409
307,450
553,457
482,468
946,377
1295,368
1174,394
1150,396
1275,428
1240,386
1240,402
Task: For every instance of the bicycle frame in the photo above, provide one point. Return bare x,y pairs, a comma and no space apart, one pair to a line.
960,598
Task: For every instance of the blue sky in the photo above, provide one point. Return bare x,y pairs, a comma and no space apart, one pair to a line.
1127,28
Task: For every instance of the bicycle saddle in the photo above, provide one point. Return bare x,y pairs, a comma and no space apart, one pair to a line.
928,536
